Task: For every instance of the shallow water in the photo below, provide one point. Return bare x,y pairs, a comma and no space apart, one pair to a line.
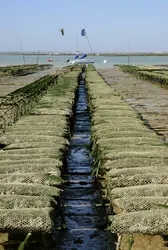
86,222
60,61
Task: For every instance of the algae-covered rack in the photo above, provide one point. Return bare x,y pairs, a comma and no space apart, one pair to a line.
78,166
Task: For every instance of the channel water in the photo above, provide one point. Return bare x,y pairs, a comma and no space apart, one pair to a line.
84,209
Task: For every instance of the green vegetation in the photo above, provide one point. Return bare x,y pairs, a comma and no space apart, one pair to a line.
130,161
31,162
20,70
155,74
22,100
23,243
130,241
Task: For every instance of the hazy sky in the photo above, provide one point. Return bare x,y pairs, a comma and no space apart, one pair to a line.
110,25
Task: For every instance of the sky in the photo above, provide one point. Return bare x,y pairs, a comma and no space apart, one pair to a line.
111,25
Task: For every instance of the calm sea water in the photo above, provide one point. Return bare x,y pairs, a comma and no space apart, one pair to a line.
60,61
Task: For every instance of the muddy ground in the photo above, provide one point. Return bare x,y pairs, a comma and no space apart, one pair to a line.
152,102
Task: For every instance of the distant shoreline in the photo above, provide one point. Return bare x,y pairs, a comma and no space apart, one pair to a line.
72,54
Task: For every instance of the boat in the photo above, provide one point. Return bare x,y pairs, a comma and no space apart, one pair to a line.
50,60
82,59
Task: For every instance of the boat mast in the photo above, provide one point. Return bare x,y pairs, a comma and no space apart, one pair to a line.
77,43
88,42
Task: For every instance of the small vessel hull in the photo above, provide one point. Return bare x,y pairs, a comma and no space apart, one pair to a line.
82,61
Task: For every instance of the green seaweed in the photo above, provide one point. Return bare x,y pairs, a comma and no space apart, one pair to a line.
130,241
23,243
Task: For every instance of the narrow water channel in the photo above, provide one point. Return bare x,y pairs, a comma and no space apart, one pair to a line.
83,210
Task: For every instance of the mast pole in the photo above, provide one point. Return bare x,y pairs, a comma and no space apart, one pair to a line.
88,42
77,43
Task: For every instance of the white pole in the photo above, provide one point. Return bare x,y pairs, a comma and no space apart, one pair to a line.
77,44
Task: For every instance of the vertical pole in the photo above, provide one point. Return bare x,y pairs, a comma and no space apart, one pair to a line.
77,44
129,53
38,57
24,61
89,42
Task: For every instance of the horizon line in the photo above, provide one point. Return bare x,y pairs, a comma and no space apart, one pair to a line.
70,52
